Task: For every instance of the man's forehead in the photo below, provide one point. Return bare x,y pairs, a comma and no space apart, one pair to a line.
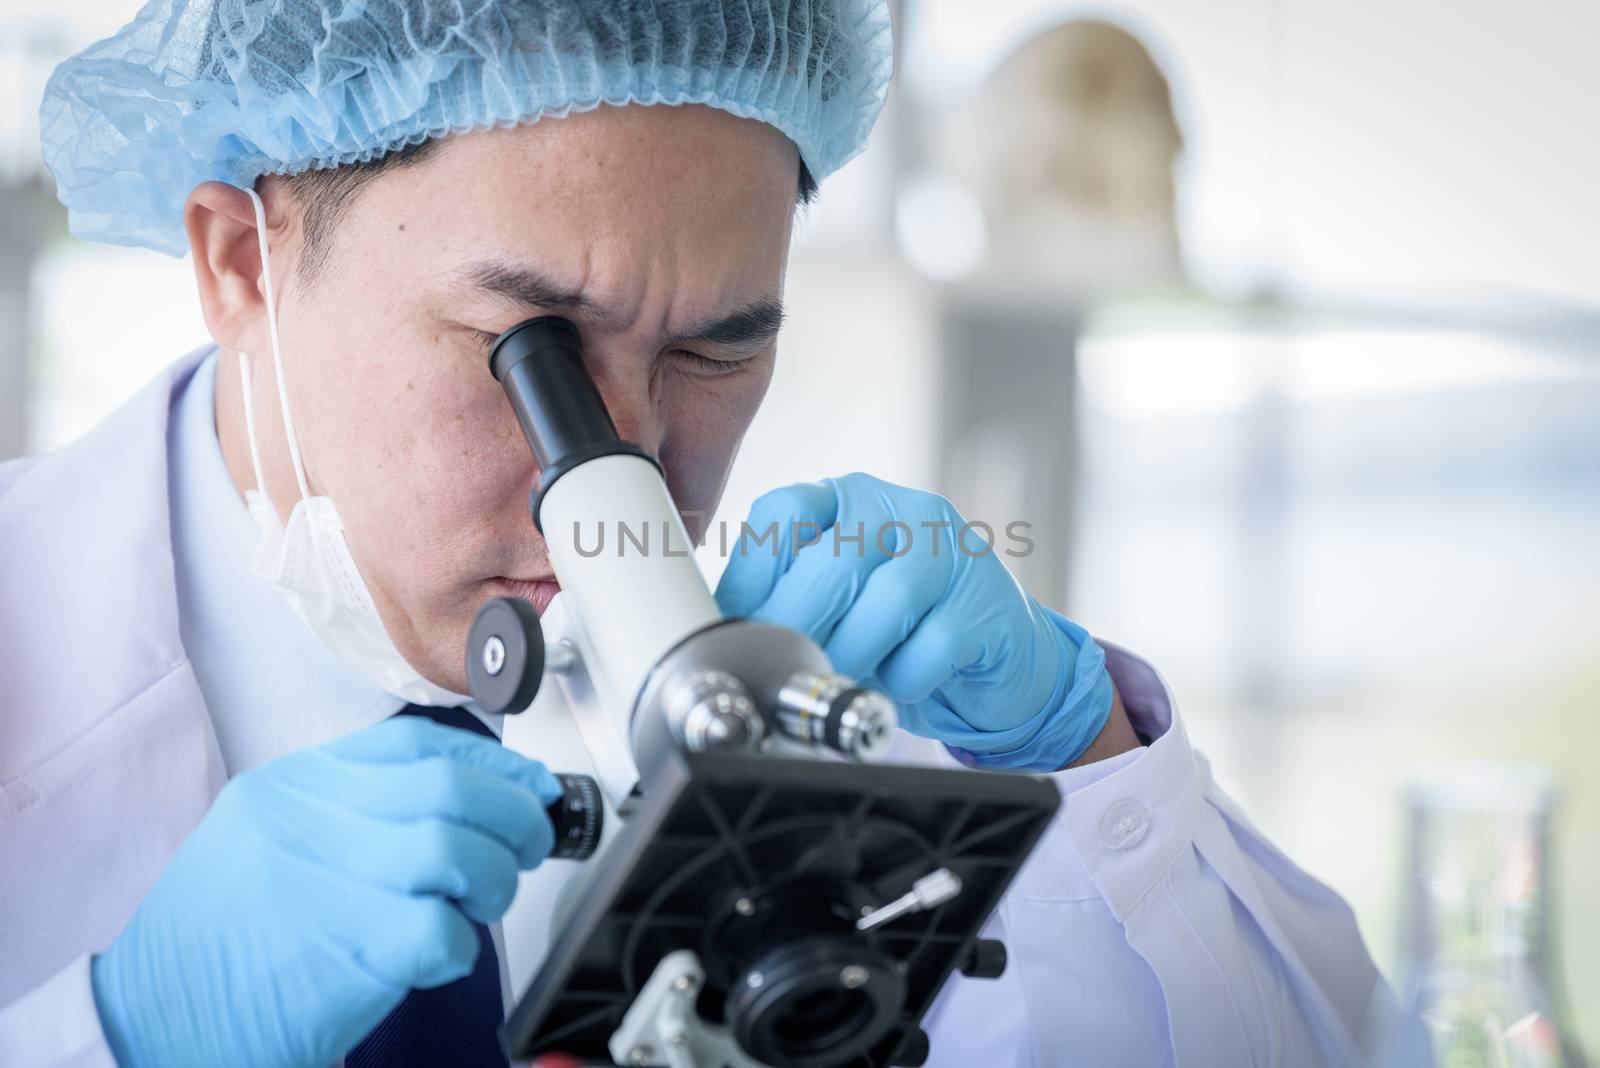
617,241
631,148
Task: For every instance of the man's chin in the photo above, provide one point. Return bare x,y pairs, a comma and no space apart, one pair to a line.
446,671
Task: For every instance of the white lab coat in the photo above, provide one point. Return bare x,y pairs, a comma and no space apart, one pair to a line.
1154,925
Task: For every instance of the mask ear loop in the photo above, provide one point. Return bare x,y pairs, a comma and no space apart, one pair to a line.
250,427
277,355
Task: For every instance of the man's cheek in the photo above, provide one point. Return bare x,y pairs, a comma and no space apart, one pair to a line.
695,476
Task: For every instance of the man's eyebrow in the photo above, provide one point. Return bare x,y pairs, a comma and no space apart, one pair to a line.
754,324
524,285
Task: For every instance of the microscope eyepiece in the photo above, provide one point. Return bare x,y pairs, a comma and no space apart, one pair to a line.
532,335
539,363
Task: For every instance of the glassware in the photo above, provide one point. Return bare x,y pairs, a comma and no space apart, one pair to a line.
1479,956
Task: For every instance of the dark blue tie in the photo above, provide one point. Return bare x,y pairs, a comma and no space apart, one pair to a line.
452,1026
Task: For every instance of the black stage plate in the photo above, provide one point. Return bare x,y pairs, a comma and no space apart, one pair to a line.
808,843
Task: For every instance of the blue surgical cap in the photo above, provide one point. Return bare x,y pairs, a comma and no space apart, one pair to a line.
229,90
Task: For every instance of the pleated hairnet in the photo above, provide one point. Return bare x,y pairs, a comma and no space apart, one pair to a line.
196,90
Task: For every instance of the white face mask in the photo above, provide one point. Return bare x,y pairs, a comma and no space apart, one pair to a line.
308,561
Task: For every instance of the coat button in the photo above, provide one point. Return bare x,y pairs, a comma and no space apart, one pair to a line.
1124,824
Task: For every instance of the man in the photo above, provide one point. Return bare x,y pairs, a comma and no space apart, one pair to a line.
224,843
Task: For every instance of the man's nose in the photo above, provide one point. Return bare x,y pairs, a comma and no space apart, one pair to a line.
626,392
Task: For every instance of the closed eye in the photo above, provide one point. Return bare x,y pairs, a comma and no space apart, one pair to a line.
706,367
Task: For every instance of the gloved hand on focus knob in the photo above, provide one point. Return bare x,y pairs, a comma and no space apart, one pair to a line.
885,580
317,891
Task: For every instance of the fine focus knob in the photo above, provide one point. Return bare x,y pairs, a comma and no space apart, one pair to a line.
505,656
985,960
578,817
913,1050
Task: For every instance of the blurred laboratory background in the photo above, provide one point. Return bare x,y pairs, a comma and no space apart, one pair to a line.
1279,322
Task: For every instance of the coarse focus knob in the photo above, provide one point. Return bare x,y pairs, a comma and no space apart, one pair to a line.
578,817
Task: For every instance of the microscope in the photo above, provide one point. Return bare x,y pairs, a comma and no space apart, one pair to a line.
774,895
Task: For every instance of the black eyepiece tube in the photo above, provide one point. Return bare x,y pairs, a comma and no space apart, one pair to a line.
539,363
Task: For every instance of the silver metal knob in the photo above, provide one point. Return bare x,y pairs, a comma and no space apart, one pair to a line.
714,710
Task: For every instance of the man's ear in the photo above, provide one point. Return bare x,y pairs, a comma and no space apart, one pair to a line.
221,224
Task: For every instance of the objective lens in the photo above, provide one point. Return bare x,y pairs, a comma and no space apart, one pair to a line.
830,711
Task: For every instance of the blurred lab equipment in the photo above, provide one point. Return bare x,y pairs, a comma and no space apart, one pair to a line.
1065,164
1480,967
1069,149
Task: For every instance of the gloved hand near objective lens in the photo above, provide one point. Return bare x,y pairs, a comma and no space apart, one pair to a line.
317,891
902,599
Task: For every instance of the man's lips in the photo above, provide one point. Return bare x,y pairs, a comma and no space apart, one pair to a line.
537,592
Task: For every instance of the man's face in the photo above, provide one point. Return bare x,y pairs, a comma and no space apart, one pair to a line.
662,232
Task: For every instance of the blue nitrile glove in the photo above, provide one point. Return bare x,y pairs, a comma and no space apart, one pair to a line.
317,890
926,613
